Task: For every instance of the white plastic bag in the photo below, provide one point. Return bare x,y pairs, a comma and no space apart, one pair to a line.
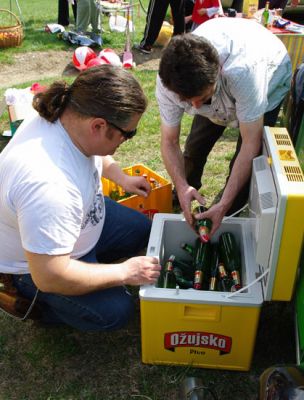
117,23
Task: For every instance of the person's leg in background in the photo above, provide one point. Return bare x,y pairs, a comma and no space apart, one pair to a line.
189,4
74,8
178,15
155,17
63,13
83,15
94,15
199,143
124,234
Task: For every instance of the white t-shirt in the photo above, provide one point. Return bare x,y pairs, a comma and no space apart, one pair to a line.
51,198
255,73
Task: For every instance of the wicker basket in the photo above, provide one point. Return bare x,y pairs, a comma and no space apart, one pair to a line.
11,36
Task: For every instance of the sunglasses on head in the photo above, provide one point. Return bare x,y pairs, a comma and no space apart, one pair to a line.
125,134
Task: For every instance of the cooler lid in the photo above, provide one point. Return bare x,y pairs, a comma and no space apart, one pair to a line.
276,203
263,209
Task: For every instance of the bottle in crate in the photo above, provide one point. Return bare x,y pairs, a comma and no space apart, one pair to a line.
201,263
181,279
188,248
169,281
114,193
202,226
214,267
184,270
230,256
224,283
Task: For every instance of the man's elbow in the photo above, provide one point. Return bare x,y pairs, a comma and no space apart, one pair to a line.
47,284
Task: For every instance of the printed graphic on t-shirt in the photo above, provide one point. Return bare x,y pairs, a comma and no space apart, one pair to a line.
95,215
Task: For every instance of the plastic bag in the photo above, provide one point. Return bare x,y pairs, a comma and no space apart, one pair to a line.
89,39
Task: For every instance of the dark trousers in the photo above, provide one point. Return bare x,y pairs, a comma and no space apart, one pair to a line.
203,136
155,16
63,12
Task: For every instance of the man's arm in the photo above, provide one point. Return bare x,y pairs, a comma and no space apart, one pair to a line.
63,275
251,145
173,159
132,184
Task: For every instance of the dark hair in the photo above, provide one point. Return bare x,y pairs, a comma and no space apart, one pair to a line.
104,91
189,64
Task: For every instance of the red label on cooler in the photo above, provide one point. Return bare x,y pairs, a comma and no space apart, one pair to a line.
198,339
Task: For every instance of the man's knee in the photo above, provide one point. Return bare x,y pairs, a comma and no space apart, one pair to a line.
117,317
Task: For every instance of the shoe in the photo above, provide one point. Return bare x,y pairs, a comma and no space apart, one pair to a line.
143,49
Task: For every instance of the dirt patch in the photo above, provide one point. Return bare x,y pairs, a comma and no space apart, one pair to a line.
34,66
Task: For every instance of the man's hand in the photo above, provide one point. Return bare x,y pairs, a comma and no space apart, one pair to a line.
202,11
141,270
186,196
132,184
137,185
216,213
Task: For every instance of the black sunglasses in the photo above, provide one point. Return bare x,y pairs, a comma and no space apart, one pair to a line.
125,134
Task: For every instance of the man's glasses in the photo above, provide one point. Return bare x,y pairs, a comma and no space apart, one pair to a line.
125,134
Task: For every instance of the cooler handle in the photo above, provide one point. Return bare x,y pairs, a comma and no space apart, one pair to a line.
202,312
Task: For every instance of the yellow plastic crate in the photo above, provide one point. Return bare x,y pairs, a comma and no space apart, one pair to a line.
159,200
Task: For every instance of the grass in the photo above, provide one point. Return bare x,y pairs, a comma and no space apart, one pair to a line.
39,13
64,364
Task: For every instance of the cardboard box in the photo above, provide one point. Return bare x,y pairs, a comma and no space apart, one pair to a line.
159,200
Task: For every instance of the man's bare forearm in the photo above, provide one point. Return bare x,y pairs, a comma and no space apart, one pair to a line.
63,275
173,156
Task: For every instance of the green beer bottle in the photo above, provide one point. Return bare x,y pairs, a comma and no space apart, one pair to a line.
202,226
185,267
188,248
230,255
181,279
214,267
114,193
224,282
265,15
201,263
169,277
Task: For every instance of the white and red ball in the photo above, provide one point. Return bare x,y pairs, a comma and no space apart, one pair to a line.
82,55
95,62
110,57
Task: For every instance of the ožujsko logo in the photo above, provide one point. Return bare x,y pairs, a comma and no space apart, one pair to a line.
198,339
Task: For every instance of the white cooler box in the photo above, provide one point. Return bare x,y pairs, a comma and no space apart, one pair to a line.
218,329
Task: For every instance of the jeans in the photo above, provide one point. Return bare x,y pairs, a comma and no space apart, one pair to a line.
124,234
203,136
